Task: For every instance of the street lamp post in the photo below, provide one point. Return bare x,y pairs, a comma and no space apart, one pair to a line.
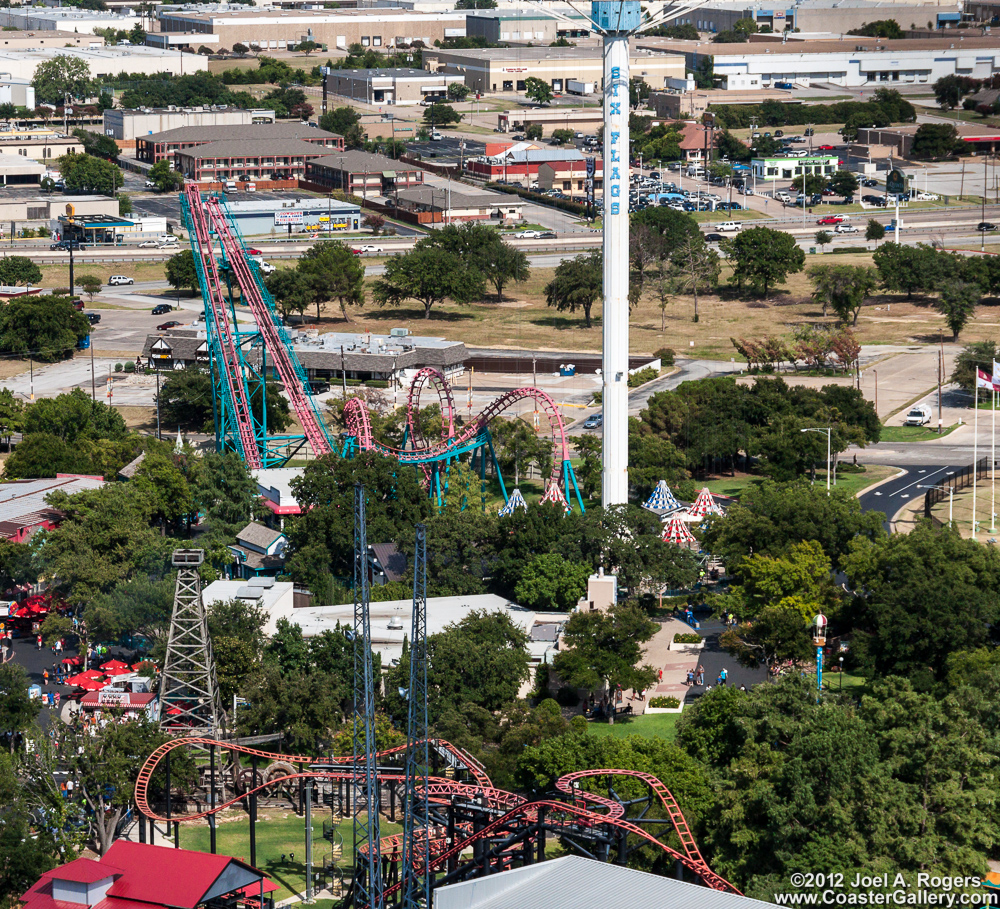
828,464
951,498
840,687
819,639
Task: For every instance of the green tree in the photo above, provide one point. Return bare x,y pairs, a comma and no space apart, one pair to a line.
186,400
948,92
534,131
975,355
60,76
763,257
551,582
672,226
292,290
562,136
880,28
97,144
140,607
237,631
227,496
695,267
843,287
91,285
538,90
164,485
606,647
46,327
344,121
165,178
428,275
439,114
504,265
181,271
810,184
844,183
908,268
577,284
957,303
334,273
934,140
874,231
307,47
457,91
11,415
823,238
17,270
772,517
17,712
86,174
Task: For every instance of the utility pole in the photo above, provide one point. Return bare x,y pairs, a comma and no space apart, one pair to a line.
940,376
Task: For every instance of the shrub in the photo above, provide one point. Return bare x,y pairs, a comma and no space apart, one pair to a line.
669,703
129,366
578,723
687,637
642,377
118,367
666,355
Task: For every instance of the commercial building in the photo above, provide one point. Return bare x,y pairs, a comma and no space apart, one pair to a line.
16,170
104,62
24,509
38,142
129,125
156,147
978,139
588,120
389,86
443,205
141,876
276,599
848,61
64,19
839,16
564,169
24,40
690,105
362,173
527,25
259,217
277,29
772,169
247,160
507,69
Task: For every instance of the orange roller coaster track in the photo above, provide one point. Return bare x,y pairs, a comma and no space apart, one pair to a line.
582,810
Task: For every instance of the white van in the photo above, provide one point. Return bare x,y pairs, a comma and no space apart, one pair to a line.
266,268
782,196
230,186
919,415
250,187
695,170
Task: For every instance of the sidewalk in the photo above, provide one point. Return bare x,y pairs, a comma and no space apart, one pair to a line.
674,663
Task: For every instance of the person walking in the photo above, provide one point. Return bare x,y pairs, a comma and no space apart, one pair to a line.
723,675
45,676
38,643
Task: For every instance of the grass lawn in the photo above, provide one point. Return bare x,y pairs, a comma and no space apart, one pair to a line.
853,482
913,433
654,725
744,214
58,275
278,833
844,681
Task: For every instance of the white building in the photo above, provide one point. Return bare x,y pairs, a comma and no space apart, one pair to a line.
127,125
65,19
105,62
847,61
276,598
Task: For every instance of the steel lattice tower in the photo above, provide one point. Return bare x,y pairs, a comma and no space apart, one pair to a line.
368,886
416,832
189,693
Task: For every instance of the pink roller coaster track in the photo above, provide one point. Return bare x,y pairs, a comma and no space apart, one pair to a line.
586,810
230,369
359,425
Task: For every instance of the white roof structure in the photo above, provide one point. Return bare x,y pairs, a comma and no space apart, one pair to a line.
392,620
276,597
662,499
274,484
704,505
516,500
572,881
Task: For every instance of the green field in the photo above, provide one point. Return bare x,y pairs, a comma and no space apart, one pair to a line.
654,725
279,833
853,482
913,433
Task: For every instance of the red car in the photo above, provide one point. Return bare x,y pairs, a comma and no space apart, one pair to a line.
163,326
254,252
830,219
825,148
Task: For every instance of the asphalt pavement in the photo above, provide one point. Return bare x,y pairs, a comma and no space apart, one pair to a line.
894,494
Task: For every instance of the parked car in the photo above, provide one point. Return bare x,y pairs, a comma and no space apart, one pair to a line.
150,183
161,309
166,326
778,133
845,229
875,200
785,86
594,421
830,219
825,147
985,226
92,317
919,415
318,386
115,280
926,197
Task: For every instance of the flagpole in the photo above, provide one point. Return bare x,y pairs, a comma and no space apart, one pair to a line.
975,455
993,456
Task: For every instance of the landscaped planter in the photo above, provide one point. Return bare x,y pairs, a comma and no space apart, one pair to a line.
688,647
676,709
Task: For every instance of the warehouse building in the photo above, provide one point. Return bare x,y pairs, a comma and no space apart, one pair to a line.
507,69
361,174
104,62
129,125
526,25
389,86
24,40
691,104
847,61
167,144
260,217
272,29
16,170
449,206
839,16
64,19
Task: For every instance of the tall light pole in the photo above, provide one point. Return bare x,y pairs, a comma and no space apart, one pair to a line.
828,464
951,498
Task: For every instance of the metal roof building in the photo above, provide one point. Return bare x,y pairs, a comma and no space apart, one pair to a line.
23,506
572,881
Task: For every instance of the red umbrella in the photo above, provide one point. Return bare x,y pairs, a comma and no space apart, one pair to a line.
71,661
79,680
115,666
90,684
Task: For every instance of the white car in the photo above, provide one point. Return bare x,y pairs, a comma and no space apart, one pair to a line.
368,248
149,244
150,183
729,225
926,197
845,229
528,234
